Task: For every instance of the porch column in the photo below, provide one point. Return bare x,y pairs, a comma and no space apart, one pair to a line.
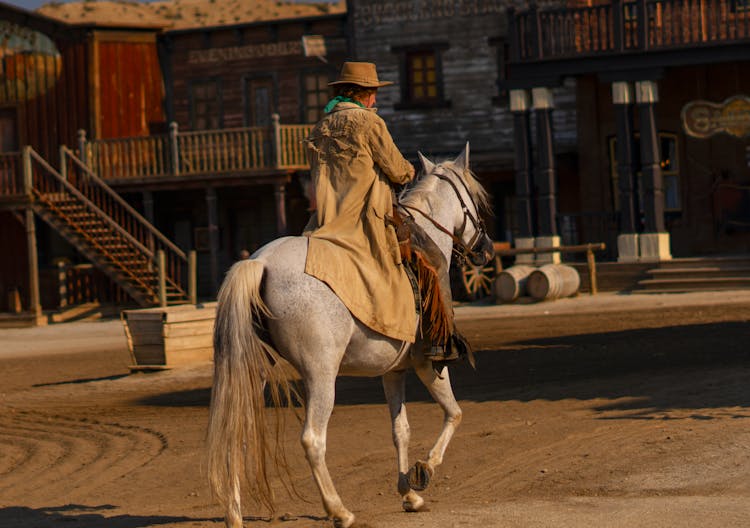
627,239
519,107
35,306
545,176
654,242
280,195
213,238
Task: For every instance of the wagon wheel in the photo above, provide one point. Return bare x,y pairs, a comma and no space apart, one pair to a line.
472,282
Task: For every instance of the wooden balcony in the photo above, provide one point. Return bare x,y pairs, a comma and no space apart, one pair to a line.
621,29
260,152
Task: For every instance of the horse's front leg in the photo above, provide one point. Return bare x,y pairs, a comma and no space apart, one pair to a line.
394,386
440,389
320,400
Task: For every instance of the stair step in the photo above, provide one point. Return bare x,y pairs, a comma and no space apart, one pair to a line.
694,284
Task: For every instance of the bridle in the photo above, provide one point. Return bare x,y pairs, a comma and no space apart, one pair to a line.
461,249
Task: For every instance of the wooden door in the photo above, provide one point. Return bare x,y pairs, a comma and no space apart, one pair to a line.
8,130
259,97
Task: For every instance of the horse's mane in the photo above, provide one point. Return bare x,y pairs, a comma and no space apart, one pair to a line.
421,187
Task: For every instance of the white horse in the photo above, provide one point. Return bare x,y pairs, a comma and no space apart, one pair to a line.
269,308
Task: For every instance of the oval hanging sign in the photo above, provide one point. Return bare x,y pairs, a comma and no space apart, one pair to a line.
702,119
29,63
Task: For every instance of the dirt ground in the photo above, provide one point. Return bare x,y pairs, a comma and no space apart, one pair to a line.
615,413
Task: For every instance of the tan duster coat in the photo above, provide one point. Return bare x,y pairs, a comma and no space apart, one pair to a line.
352,249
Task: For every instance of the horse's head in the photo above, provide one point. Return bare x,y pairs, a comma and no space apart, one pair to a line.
467,199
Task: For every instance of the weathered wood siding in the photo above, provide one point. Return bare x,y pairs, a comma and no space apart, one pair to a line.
130,98
704,164
14,267
477,112
234,55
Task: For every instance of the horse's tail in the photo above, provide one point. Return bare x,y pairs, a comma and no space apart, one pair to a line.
237,441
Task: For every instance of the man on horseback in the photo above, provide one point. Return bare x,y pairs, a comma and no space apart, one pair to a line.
353,246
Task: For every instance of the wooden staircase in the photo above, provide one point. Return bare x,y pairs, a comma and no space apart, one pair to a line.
697,274
106,229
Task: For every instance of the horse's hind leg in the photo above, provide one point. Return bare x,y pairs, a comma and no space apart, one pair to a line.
320,400
440,389
394,386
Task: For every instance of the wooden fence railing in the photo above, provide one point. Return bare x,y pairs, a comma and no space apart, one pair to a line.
205,152
11,175
620,27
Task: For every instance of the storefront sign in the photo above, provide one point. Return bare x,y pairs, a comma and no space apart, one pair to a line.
379,12
29,63
252,51
702,119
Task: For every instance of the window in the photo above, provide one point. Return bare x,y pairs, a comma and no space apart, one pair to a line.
421,76
669,169
315,95
503,59
738,6
205,105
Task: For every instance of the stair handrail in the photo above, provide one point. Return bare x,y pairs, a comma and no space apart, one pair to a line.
78,194
65,151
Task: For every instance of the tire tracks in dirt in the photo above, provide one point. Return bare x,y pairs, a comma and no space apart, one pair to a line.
63,455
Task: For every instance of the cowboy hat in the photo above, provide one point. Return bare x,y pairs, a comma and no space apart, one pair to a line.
360,73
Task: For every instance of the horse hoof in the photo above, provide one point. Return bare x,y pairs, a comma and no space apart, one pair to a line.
345,521
413,503
419,476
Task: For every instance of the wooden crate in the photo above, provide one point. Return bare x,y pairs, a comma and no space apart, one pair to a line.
170,337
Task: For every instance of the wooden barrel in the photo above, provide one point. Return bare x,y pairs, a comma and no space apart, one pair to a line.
510,284
553,281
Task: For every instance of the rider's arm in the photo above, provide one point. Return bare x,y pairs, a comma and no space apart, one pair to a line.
386,155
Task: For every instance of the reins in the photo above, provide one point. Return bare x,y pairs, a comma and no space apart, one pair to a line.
465,249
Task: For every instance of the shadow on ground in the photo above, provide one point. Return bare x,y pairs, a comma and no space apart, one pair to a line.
78,516
607,365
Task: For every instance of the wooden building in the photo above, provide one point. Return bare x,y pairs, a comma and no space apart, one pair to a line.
663,142
189,144
55,79
448,59
252,76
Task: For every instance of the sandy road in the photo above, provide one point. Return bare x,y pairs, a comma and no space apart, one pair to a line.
607,412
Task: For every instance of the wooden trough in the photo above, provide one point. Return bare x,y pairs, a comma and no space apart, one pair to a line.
172,336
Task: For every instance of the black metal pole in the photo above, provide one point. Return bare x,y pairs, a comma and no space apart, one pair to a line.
623,102
523,164
545,164
653,188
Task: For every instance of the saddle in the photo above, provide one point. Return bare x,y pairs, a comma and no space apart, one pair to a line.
436,323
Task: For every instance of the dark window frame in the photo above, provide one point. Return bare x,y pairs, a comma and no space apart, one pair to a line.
304,92
502,48
246,80
404,53
219,100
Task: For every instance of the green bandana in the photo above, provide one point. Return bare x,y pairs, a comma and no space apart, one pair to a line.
340,99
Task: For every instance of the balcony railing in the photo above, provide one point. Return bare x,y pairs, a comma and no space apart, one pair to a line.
206,152
623,27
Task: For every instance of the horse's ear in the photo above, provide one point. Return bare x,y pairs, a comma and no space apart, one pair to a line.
427,165
463,159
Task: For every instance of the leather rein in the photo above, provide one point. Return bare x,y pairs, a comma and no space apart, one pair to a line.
464,249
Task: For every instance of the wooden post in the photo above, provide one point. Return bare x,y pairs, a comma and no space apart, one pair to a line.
618,26
591,261
82,146
622,97
519,107
535,32
647,96
63,163
213,237
62,282
174,147
161,262
280,195
513,34
545,163
642,22
276,133
35,306
28,181
193,276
